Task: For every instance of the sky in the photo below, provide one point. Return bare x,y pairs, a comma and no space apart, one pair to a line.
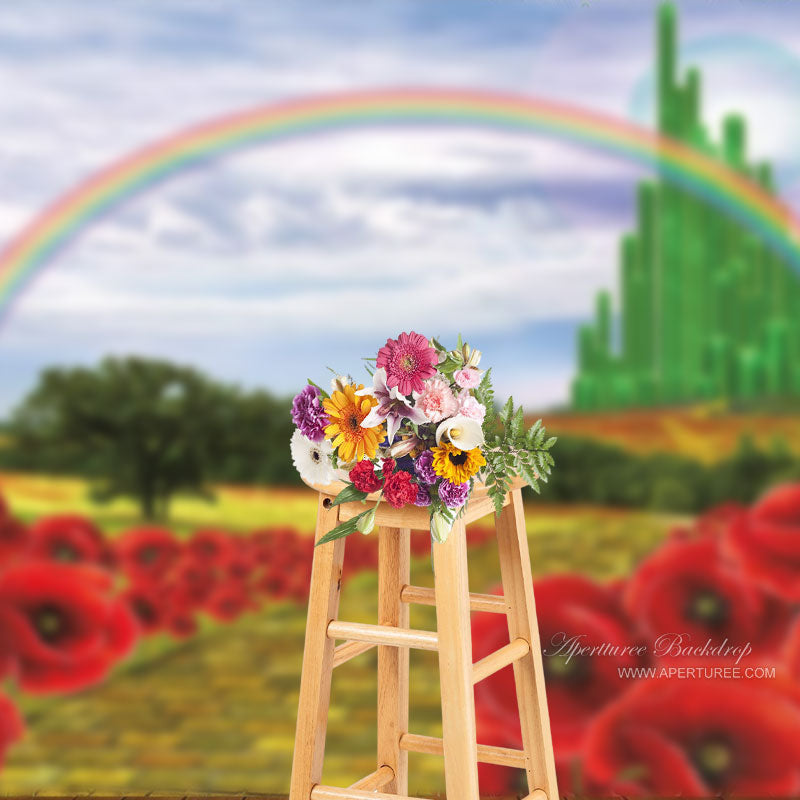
268,266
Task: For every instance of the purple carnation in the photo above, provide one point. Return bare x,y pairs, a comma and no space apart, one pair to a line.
423,466
423,496
309,415
454,495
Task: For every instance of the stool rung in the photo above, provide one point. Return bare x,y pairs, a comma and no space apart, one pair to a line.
494,662
536,794
383,634
421,595
320,792
488,754
375,780
344,652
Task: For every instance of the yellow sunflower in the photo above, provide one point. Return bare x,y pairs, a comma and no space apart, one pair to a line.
456,466
346,412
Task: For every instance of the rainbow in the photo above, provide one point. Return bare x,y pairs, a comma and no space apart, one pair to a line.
40,242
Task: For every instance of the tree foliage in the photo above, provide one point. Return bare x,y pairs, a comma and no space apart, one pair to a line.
149,429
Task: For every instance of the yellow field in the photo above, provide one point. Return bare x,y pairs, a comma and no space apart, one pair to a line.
704,433
235,508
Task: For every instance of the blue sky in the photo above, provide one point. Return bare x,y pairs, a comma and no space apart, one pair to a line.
268,266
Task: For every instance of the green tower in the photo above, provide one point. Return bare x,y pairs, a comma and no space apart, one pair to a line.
707,310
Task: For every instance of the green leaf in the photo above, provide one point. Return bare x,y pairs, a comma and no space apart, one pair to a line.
348,495
317,386
343,529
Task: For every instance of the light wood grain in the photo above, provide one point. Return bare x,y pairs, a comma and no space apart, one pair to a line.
315,680
375,781
536,794
501,658
332,793
422,595
394,557
383,634
344,652
455,665
488,754
515,568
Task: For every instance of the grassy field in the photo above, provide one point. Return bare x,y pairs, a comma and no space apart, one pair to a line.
215,713
704,433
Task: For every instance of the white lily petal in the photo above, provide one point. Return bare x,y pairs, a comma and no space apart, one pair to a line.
463,432
392,425
373,419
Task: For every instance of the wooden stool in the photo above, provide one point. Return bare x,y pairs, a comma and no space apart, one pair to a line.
393,637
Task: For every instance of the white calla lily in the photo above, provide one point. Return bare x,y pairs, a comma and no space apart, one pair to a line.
462,432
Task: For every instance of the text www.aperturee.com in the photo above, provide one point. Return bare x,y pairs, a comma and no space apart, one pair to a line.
698,673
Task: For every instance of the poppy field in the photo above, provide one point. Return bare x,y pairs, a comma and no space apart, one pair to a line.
167,658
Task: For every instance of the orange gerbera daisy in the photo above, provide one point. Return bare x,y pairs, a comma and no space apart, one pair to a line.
346,411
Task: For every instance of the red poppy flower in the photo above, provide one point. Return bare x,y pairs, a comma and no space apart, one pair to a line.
190,582
11,726
696,739
65,628
573,612
210,547
67,537
228,601
14,538
687,589
147,605
181,624
147,553
766,541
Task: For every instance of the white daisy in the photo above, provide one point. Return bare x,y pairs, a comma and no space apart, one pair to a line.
312,459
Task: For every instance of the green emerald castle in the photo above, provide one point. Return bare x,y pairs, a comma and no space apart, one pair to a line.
707,310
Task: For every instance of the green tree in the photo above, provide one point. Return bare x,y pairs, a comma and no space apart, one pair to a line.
142,428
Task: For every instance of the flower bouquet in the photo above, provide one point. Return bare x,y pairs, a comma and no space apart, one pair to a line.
423,434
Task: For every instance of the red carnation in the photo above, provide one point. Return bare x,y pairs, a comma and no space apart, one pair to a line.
399,490
573,611
147,553
11,726
387,468
696,739
687,589
63,625
364,478
766,541
69,538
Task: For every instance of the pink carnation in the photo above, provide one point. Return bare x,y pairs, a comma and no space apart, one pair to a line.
467,378
437,400
468,406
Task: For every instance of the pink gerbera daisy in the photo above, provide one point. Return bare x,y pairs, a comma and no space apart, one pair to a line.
409,360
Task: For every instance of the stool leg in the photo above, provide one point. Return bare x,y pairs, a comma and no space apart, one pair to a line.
315,683
455,665
515,567
393,574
